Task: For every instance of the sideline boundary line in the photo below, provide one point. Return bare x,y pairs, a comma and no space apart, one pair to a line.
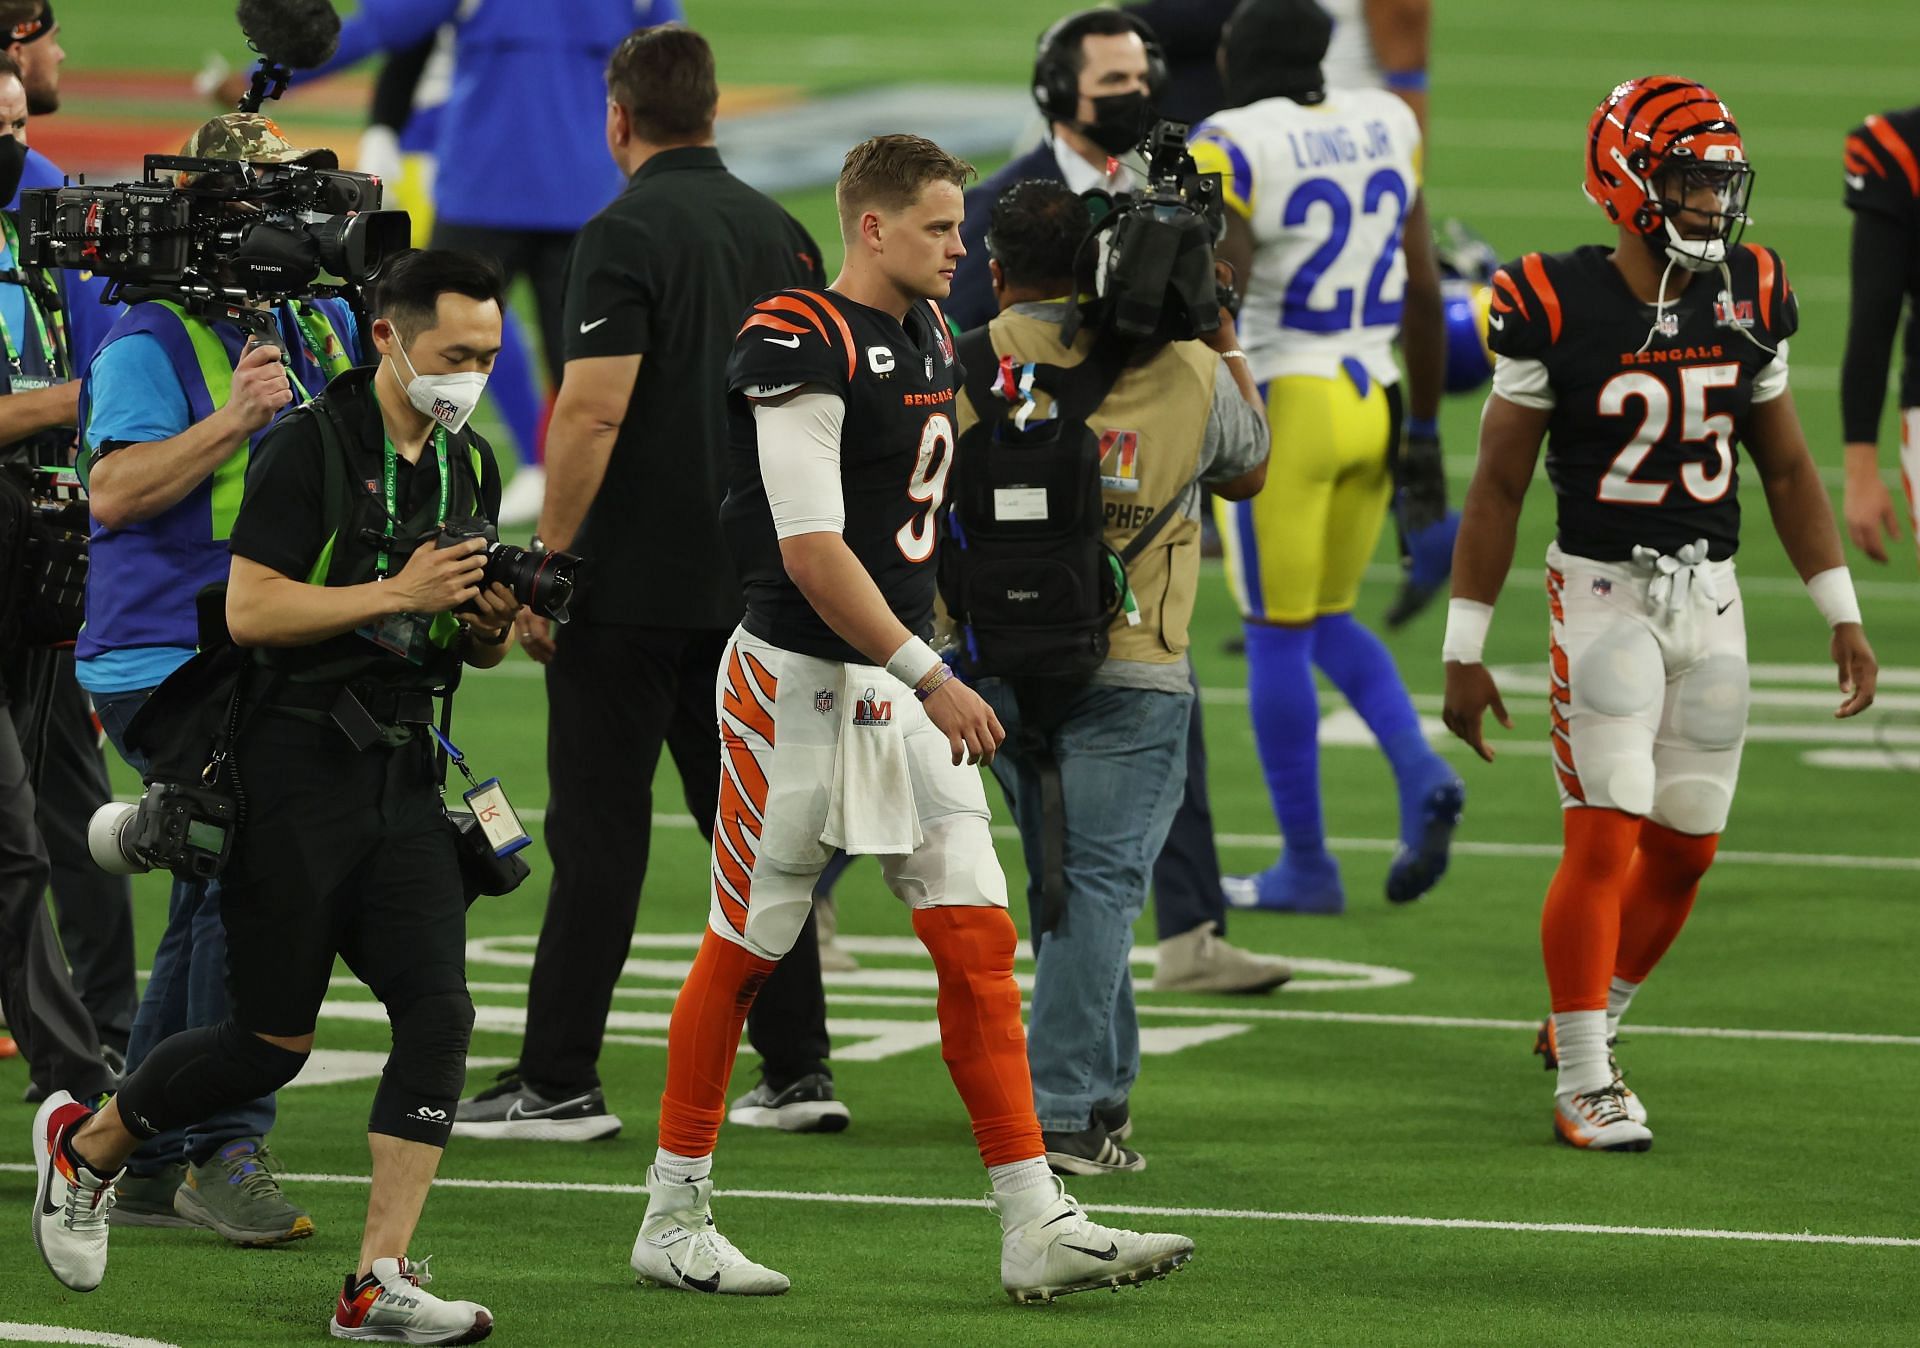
1144,1210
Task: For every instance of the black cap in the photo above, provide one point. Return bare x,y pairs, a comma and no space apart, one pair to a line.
1274,48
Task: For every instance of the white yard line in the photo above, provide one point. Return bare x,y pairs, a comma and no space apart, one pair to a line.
1144,1210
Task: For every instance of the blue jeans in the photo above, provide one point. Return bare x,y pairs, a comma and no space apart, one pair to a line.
1123,767
188,986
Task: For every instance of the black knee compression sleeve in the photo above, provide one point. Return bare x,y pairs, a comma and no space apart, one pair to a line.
426,1069
197,1073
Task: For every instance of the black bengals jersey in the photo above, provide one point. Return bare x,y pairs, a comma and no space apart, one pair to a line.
1882,167
1643,444
896,445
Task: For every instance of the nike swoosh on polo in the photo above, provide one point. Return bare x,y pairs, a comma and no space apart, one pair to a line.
1111,1253
586,328
710,1284
793,342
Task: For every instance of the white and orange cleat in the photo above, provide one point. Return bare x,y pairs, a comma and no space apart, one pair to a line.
1548,1050
1598,1121
71,1203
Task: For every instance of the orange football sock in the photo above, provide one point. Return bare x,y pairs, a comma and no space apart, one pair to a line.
1580,925
1661,883
981,1038
703,1040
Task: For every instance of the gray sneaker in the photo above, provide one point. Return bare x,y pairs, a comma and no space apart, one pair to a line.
807,1106
147,1200
510,1109
236,1194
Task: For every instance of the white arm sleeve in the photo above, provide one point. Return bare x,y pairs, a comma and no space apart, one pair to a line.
800,461
1771,382
1523,382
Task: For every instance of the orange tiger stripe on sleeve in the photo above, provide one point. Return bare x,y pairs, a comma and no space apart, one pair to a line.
1897,149
1536,270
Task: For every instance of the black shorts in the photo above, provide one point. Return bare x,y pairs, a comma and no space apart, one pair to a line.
343,853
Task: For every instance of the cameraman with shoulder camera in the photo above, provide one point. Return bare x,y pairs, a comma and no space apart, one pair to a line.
360,582
172,406
1168,415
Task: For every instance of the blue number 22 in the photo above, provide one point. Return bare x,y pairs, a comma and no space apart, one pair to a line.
1296,306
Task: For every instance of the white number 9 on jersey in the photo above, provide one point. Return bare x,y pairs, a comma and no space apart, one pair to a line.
928,485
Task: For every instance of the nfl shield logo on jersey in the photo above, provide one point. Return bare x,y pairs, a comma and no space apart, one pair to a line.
1668,325
823,701
929,369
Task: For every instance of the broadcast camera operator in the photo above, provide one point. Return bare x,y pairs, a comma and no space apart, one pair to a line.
362,582
173,404
1095,757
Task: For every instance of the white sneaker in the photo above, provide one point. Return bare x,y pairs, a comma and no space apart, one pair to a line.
1547,1045
678,1246
525,493
71,1204
392,1306
1598,1121
1056,1250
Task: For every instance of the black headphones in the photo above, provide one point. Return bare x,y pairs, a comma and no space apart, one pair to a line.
1056,61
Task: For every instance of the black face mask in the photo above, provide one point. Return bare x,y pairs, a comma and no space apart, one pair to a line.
1120,122
13,163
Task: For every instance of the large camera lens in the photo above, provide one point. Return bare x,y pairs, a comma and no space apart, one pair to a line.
543,581
107,840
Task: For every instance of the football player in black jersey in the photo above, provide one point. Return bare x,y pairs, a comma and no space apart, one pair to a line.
1883,192
1646,369
842,728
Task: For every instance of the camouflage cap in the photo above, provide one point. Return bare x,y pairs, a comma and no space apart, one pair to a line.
253,137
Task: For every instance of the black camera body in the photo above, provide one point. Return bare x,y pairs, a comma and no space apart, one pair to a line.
542,581
218,229
1155,276
175,826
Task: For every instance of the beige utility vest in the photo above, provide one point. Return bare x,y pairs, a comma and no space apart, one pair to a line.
1151,428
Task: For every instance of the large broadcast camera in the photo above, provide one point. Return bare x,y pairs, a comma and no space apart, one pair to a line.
213,233
1153,278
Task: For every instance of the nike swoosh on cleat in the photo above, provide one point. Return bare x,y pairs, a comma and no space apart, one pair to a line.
697,1284
1109,1254
1062,1217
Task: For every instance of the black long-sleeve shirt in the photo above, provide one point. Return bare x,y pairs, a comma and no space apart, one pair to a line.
1883,192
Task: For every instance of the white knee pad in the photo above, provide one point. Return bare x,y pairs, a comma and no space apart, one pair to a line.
1693,803
776,910
1617,684
955,867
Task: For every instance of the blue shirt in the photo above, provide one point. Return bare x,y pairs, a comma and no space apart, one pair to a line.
13,308
522,138
87,318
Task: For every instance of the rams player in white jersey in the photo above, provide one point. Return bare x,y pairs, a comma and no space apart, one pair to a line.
1325,216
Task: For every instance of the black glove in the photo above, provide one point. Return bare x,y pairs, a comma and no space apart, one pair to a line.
1421,483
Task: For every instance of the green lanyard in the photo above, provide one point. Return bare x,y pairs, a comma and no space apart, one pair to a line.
48,351
390,478
322,346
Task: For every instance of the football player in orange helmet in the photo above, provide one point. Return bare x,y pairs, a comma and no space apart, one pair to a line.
1646,367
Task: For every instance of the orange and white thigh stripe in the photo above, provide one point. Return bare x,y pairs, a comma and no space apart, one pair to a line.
1560,694
778,729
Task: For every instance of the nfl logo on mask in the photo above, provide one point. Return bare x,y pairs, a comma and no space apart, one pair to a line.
444,410
871,711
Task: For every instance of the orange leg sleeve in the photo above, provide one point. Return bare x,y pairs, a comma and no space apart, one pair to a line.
703,1041
1661,883
981,1038
1580,925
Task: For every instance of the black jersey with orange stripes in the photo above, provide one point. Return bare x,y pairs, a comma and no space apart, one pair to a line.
1882,170
897,380
1648,407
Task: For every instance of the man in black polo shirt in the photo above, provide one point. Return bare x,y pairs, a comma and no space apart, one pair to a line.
636,469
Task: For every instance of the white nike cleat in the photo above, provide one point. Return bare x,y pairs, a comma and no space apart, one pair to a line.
1547,1045
71,1204
391,1305
1598,1121
678,1246
1057,1250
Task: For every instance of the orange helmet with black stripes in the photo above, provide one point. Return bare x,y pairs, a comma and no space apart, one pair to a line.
1659,145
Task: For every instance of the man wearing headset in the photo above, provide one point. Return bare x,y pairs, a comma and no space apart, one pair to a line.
1097,75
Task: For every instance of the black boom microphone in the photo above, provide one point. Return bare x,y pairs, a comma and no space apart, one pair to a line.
290,35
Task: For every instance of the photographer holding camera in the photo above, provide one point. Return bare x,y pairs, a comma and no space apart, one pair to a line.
360,581
1095,760
173,403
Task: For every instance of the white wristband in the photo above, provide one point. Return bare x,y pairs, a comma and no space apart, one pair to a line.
1466,640
1832,593
912,662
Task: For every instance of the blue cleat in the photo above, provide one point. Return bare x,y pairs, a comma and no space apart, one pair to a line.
1290,887
1419,864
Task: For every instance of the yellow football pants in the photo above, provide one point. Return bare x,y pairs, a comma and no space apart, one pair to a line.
1300,548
